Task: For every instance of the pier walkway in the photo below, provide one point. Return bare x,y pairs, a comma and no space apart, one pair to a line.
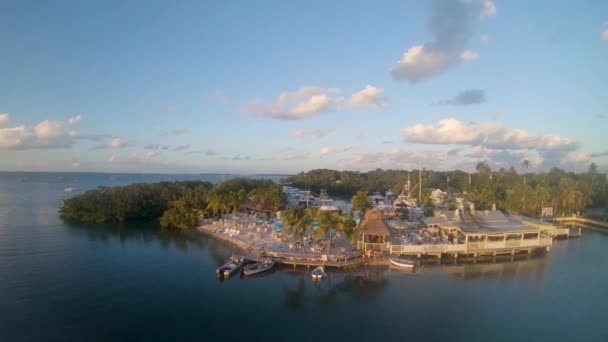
581,220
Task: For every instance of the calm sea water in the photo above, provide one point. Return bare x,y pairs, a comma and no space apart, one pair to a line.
62,282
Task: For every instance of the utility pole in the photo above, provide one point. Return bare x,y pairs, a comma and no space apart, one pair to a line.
419,182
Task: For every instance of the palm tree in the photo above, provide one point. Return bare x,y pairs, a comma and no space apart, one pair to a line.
525,164
296,221
329,221
216,203
360,202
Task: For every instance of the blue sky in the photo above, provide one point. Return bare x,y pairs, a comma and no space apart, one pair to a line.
273,87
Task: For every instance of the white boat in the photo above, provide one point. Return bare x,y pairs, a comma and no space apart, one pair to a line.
402,263
258,267
68,189
230,267
326,203
318,273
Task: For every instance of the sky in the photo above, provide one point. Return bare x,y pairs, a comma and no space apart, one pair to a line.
283,87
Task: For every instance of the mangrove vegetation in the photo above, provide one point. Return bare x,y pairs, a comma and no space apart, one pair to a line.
178,205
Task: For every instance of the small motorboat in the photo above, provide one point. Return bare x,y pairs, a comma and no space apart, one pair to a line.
230,267
258,267
318,273
68,189
404,263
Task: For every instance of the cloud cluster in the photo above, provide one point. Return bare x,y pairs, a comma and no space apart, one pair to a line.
455,159
4,118
326,151
451,28
134,157
466,98
115,143
316,133
311,101
44,135
489,134
74,120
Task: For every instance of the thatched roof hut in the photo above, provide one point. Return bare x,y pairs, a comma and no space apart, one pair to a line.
373,224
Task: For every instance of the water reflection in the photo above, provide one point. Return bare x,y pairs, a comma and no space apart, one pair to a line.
149,233
532,268
361,284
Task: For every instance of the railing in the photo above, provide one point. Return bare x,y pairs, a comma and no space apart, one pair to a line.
373,246
496,245
473,246
529,243
513,243
469,247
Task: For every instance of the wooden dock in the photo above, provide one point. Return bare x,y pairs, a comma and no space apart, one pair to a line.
256,253
582,221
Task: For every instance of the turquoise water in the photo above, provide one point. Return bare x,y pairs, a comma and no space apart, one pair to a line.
62,282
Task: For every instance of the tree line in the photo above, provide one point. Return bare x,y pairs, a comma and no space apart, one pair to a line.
512,191
175,204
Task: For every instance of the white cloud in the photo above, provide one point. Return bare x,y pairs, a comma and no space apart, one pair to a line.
451,25
489,134
150,155
302,103
4,118
486,38
420,62
605,35
114,143
310,101
296,133
74,120
44,135
111,159
368,96
316,133
324,152
575,157
468,55
489,9
117,143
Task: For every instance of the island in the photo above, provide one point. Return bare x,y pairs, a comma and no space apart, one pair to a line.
416,214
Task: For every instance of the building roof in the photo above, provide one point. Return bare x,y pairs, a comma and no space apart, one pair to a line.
481,222
373,224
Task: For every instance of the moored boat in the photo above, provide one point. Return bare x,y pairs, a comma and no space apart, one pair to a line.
230,267
402,262
318,273
258,267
